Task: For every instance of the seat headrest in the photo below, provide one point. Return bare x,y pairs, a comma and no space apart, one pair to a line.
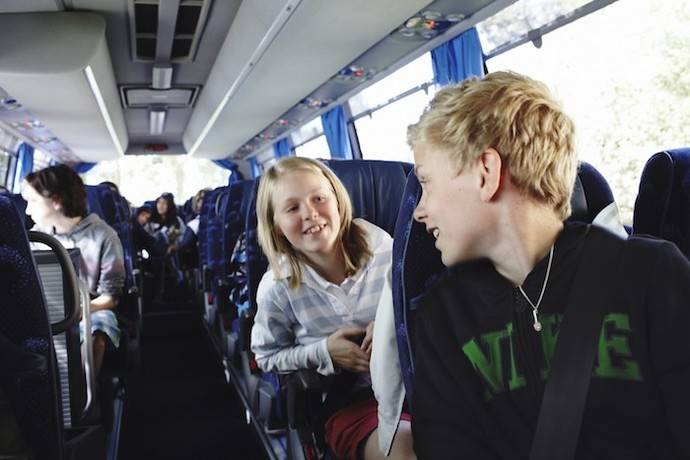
591,194
375,188
662,204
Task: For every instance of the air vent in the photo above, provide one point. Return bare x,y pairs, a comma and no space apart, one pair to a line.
146,28
162,33
143,97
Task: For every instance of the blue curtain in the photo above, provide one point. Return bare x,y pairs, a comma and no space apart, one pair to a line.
254,168
458,59
335,129
282,148
83,167
25,163
235,175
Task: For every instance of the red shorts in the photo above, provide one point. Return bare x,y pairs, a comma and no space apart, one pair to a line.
347,428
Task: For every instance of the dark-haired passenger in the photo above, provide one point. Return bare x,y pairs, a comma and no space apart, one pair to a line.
167,229
56,201
164,222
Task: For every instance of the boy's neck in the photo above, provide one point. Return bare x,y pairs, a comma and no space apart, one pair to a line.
525,237
63,224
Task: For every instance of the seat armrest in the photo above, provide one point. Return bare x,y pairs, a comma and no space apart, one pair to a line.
305,392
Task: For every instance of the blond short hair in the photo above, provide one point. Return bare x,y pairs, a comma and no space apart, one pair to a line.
351,238
518,117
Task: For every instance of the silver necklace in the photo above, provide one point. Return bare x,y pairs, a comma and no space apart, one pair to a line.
535,308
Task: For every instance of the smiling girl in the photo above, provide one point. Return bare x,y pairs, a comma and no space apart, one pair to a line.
320,297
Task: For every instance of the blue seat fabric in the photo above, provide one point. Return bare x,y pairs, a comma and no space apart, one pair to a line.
27,358
662,208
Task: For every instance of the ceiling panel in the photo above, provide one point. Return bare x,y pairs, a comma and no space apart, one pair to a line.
315,43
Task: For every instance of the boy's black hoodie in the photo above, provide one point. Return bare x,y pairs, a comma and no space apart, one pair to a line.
481,367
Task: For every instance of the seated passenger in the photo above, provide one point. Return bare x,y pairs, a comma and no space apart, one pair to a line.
167,228
165,223
317,303
142,239
497,163
189,254
56,201
143,216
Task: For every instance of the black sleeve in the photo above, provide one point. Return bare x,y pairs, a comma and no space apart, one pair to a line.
444,423
668,312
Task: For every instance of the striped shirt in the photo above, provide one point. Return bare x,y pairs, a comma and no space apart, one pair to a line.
292,325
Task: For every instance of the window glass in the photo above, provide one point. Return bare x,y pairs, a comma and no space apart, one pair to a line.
4,167
383,135
41,160
267,164
145,177
520,18
626,87
413,74
307,131
315,148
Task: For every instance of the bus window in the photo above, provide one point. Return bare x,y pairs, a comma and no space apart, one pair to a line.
626,87
314,148
310,141
41,160
383,111
145,177
4,167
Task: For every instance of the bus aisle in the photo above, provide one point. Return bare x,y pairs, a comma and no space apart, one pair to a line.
179,404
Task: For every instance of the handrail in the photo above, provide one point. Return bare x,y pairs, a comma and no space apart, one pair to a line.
76,302
87,348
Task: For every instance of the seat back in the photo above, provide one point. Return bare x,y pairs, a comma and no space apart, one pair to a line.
417,263
662,208
113,209
59,306
375,188
27,357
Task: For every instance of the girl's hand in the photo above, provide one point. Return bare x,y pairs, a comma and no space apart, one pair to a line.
368,340
345,353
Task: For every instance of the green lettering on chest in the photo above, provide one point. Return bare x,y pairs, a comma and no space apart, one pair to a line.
492,357
488,365
615,359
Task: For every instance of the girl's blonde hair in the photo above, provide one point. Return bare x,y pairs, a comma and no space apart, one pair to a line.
351,238
519,118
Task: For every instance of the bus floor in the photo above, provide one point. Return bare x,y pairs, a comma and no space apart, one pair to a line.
179,406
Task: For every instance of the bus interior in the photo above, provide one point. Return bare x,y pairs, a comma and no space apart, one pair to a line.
175,96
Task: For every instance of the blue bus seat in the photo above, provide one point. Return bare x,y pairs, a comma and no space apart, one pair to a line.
417,262
27,357
114,210
663,202
232,288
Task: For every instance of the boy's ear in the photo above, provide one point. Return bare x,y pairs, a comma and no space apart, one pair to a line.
57,202
490,166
